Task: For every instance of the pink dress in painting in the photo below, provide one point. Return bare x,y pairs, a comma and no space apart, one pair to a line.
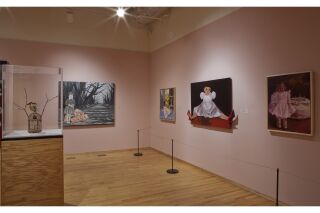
280,105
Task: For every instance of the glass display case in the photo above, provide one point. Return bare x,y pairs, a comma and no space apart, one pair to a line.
31,102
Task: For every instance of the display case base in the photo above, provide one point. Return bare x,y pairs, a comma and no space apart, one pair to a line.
32,172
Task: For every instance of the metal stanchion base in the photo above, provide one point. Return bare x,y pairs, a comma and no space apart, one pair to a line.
138,154
172,171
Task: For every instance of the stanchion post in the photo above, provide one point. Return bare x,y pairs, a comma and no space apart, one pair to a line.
277,195
172,170
172,154
138,153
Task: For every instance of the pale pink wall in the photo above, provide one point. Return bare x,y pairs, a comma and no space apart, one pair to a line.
247,46
127,69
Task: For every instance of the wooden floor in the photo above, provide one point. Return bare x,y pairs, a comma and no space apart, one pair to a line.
118,178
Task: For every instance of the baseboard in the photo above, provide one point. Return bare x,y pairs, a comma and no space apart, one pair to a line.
106,151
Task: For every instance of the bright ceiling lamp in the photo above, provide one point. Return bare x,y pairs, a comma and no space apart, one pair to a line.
120,12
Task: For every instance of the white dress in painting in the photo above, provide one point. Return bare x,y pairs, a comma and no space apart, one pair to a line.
280,105
207,108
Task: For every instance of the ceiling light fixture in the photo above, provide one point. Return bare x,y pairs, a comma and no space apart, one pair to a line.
69,16
120,12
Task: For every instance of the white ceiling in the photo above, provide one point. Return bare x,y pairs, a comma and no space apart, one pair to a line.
144,29
137,16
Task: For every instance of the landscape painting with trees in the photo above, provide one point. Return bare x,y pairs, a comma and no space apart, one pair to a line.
86,103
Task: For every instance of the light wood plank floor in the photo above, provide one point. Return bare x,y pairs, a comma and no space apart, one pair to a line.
118,178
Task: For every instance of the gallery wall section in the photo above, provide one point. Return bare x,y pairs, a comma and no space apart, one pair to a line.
182,21
246,46
128,70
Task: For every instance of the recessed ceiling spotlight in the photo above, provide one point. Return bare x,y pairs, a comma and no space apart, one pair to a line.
69,16
120,12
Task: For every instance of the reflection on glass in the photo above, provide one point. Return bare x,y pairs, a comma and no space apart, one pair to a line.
31,101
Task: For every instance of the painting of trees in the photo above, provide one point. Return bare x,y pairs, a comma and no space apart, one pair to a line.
94,99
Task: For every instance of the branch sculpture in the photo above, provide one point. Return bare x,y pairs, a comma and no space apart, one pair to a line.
25,106
47,101
26,103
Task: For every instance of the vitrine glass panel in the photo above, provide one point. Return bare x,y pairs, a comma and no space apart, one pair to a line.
31,101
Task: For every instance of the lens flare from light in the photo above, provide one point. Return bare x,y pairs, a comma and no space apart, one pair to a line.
120,12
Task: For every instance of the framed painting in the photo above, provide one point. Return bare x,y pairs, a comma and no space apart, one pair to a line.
88,103
211,103
290,103
168,104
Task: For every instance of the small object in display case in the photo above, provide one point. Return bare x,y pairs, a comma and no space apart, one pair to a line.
34,120
32,102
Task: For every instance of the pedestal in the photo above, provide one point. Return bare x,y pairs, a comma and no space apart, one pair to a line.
32,172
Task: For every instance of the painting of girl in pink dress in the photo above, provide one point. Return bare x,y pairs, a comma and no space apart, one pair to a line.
290,103
280,105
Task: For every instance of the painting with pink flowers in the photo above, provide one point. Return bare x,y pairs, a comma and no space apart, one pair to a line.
290,103
88,103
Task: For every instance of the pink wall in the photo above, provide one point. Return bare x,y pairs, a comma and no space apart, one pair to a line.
247,46
127,69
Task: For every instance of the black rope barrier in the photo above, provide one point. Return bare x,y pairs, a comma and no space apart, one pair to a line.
138,154
172,170
277,190
276,170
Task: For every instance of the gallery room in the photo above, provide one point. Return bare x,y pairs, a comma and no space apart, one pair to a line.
144,105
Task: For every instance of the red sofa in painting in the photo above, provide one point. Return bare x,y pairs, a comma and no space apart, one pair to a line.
212,122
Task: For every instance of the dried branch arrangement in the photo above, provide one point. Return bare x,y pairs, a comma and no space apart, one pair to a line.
47,101
24,108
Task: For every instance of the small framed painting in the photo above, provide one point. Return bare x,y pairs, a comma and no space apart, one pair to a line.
290,103
168,104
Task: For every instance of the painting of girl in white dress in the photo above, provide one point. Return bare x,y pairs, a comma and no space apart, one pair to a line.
290,103
211,103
